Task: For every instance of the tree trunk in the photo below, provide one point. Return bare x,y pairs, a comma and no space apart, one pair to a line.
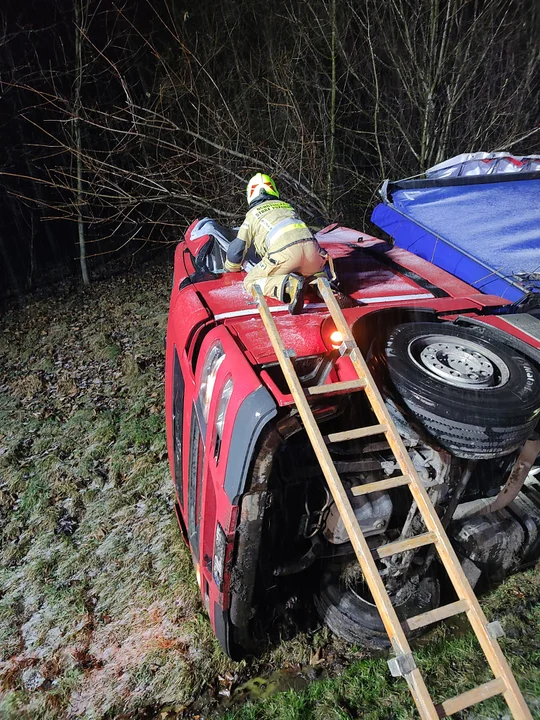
332,153
79,22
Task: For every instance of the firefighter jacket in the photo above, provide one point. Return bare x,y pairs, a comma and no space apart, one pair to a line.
270,226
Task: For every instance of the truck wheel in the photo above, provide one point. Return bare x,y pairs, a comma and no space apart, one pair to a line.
476,399
350,613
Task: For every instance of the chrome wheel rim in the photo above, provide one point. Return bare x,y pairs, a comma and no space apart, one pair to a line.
458,362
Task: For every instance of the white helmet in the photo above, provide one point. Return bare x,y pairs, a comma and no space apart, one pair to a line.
261,184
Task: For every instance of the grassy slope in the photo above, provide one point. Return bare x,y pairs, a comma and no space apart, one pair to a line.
99,608
451,660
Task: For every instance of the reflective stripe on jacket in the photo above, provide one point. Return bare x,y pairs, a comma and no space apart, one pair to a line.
271,225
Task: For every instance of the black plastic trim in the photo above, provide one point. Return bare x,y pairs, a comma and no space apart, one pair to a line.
195,481
178,425
181,523
201,273
222,628
255,411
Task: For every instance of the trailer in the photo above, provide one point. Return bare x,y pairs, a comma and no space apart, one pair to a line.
476,216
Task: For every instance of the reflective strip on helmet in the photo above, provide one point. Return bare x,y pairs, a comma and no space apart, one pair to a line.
260,182
282,228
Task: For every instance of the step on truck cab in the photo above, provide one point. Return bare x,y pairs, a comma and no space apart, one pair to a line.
462,384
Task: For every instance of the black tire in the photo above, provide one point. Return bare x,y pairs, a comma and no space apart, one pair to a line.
357,620
468,419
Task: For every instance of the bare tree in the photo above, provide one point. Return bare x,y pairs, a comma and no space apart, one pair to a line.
81,16
165,122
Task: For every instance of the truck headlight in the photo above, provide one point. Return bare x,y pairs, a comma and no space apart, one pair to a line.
221,411
218,564
214,358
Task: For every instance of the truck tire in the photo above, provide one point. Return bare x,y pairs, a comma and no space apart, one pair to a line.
355,619
476,399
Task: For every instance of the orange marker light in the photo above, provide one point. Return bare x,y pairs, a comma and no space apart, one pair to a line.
336,338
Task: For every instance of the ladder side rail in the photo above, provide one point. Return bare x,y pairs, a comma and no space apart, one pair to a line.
389,617
479,622
475,614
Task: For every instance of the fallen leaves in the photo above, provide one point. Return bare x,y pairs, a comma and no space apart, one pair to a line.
317,657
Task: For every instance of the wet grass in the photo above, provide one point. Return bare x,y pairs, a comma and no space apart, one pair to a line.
99,608
450,658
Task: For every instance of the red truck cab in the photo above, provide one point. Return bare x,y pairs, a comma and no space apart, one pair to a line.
251,502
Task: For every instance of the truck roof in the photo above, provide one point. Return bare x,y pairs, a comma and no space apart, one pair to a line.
370,270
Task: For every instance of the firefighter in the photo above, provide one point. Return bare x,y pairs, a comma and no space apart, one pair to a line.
288,250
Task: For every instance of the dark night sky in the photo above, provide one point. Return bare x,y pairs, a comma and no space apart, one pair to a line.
257,79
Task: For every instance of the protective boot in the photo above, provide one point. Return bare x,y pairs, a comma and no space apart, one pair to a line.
293,292
344,301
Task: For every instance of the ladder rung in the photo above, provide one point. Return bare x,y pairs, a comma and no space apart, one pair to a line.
433,616
471,697
403,545
356,433
336,387
380,485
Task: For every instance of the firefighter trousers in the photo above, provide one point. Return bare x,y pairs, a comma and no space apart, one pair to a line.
270,274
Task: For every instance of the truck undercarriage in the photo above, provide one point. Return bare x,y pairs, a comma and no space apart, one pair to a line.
293,551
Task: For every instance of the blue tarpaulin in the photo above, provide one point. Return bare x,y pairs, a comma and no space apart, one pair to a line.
487,233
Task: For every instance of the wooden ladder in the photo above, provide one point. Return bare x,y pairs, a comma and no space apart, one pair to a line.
403,663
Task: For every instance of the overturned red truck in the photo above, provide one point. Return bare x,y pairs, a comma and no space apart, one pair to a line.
459,369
